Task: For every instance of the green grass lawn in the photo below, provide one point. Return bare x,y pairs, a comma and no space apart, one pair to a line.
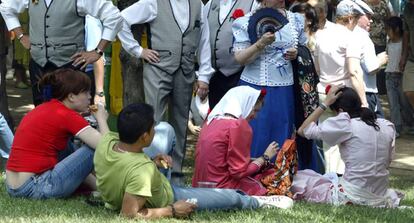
77,210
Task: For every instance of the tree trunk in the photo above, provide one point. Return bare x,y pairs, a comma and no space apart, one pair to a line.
132,68
4,43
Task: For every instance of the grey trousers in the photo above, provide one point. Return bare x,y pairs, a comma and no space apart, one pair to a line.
175,90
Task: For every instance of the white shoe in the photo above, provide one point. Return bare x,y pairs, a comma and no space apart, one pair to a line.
10,74
278,201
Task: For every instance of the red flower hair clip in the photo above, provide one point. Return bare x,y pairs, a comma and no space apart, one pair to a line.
327,88
237,13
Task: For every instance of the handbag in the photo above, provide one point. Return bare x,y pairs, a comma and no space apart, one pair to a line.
285,167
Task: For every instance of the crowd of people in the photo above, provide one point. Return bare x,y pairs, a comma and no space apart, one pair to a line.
267,86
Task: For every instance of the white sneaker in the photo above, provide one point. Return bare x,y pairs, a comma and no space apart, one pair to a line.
278,201
10,74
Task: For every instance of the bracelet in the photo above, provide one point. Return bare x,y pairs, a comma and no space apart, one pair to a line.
266,159
20,36
323,106
174,213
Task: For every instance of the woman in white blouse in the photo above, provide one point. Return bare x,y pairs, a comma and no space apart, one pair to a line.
267,65
366,144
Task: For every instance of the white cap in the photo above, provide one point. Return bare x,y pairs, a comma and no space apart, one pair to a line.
349,7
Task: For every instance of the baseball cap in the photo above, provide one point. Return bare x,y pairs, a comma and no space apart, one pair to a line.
349,7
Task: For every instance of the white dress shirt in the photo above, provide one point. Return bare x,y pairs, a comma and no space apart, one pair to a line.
145,11
101,9
225,8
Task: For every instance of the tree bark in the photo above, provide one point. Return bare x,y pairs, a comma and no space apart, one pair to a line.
132,68
4,44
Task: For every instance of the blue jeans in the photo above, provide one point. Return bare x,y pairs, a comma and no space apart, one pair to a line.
163,142
61,181
215,199
6,138
400,108
374,104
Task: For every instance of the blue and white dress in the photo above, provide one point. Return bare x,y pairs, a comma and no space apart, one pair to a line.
275,121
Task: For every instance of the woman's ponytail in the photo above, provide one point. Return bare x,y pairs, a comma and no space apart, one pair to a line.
350,103
369,117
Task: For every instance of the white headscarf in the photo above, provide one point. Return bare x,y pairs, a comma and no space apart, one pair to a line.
238,101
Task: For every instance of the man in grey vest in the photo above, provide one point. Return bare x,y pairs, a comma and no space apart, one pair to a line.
221,15
176,29
57,33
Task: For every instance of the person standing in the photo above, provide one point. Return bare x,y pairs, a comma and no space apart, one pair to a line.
370,61
378,34
177,29
221,15
338,61
407,55
400,109
57,33
267,65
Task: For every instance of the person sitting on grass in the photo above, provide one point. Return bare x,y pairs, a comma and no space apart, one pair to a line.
366,145
223,149
130,181
36,168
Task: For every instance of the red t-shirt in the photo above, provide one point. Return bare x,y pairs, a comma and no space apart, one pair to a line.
42,133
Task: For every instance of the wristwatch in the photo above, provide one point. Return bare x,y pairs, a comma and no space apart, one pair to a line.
100,93
99,51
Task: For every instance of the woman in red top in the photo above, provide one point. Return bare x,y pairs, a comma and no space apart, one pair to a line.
223,148
33,169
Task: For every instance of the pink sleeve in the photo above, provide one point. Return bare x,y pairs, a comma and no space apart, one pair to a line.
238,153
252,169
332,131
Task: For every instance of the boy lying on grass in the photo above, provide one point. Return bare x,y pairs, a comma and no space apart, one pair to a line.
130,181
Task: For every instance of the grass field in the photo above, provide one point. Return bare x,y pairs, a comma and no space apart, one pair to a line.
77,210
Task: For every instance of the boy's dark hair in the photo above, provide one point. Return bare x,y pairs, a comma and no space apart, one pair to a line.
350,102
60,83
133,121
395,24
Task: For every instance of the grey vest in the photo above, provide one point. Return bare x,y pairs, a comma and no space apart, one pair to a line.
221,37
56,32
176,49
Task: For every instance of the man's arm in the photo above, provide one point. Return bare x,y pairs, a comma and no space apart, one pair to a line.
204,57
357,79
133,207
143,11
10,11
111,20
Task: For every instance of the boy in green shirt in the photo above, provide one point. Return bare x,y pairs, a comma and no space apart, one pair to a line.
131,182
